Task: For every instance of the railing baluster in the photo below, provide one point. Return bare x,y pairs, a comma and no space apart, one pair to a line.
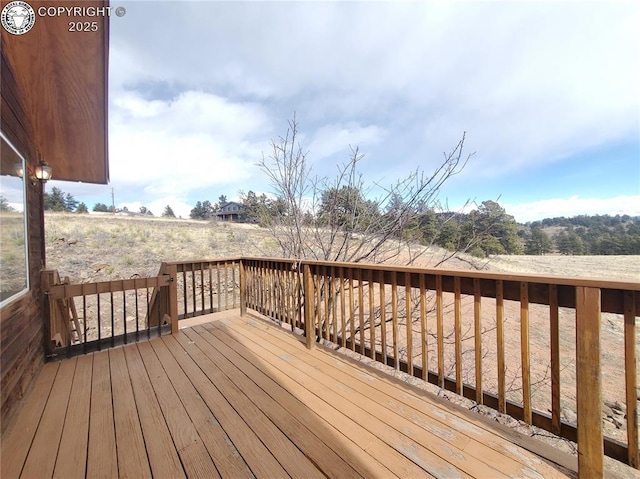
148,315
361,310
124,314
394,319
194,292
440,330
383,321
202,305
352,319
343,312
84,318
233,285
184,291
99,324
631,377
524,350
477,298
502,398
458,333
327,318
226,285
268,290
317,315
113,327
288,296
408,321
218,291
309,325
372,319
135,283
554,334
423,328
273,290
209,271
334,303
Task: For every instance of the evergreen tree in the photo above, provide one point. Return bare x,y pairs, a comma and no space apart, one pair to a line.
202,210
55,201
538,242
101,207
168,212
145,211
492,230
82,209
70,203
4,204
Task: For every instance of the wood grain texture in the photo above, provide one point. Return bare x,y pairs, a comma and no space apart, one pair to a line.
62,80
631,384
242,397
588,383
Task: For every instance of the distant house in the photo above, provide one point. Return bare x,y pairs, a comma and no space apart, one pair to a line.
232,211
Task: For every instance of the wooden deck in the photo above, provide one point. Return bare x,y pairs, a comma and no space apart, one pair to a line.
238,397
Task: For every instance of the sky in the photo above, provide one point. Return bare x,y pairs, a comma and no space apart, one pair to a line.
547,94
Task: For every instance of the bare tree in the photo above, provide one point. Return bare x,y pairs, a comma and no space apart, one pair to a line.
333,218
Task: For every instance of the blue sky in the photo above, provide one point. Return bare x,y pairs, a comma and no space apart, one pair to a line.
547,93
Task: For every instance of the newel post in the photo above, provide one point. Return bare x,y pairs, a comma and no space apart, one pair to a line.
588,383
309,326
172,270
243,288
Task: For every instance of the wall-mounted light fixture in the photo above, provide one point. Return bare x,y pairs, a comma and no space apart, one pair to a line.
42,172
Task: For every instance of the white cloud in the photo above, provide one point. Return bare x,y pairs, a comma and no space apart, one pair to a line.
191,141
557,207
531,82
336,138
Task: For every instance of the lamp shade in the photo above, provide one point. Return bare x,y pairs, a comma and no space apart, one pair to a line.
19,169
43,172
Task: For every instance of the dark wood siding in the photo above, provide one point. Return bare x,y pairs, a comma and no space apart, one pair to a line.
21,343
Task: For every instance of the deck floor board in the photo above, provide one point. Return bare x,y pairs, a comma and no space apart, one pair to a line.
240,397
408,409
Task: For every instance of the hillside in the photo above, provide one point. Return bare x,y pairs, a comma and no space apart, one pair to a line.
100,247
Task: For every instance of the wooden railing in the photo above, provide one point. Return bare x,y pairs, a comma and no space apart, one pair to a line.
205,286
528,346
525,345
92,316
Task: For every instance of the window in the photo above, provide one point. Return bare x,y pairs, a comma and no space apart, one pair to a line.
14,266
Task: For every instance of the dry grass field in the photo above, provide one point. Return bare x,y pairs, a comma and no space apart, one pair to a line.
101,247
12,261
105,247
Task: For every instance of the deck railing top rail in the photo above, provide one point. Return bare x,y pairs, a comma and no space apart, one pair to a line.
589,282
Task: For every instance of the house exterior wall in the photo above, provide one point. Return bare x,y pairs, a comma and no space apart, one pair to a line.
232,211
21,326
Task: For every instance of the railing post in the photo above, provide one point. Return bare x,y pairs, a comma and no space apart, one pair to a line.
172,270
309,322
588,383
46,279
243,288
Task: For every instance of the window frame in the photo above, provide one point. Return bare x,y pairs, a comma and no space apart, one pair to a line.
25,215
